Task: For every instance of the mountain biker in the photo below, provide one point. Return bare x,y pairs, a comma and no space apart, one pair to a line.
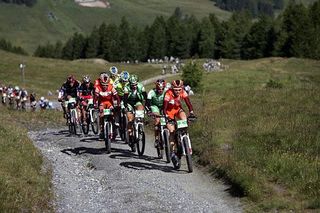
172,108
33,102
134,95
154,104
24,97
114,74
43,103
68,90
85,92
17,94
105,93
119,86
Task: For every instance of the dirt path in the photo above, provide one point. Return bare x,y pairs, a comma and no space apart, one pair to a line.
86,179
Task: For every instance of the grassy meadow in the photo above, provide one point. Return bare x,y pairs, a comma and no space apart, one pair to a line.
25,184
258,128
29,27
43,75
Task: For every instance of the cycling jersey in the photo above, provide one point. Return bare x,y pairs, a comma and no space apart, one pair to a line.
120,87
172,104
86,91
136,95
70,90
105,95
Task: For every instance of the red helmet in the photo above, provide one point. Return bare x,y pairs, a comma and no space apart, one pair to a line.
160,84
177,84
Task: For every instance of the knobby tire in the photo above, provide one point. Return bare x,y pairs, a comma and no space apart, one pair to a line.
141,140
188,155
107,139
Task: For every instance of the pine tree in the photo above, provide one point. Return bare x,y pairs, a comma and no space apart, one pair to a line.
157,38
92,44
206,39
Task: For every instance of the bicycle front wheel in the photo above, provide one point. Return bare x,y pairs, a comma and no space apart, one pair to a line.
141,140
166,145
107,139
94,119
74,122
188,154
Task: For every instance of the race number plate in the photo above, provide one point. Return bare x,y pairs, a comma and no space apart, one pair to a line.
139,113
72,100
90,101
163,121
107,112
182,124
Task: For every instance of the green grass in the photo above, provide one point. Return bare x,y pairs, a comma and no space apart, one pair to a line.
258,127
30,27
24,184
265,140
42,75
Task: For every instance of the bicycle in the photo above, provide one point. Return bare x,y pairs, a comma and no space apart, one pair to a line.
184,147
138,140
72,116
108,128
163,145
123,124
92,117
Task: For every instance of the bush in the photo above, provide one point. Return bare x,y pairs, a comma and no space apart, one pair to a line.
192,75
274,84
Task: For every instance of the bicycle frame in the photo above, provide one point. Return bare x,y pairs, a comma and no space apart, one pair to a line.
181,133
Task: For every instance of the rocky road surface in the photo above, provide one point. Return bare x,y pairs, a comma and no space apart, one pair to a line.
86,179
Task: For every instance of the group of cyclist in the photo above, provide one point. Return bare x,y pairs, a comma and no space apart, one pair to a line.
123,93
14,96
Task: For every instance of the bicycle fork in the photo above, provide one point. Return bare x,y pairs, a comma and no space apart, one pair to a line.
187,139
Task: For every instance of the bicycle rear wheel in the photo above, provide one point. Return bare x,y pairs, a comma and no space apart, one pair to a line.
85,127
141,140
188,154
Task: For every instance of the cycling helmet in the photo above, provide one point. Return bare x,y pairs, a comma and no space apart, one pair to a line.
16,88
177,84
160,84
104,79
124,76
71,79
133,80
42,98
86,79
113,71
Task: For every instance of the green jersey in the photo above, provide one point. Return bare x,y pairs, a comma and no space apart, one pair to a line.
120,87
134,96
156,99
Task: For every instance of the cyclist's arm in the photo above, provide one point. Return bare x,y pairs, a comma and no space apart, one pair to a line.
189,105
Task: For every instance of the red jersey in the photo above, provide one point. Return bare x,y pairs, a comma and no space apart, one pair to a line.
105,95
174,102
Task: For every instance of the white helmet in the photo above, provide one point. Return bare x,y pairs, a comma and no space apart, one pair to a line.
16,88
113,70
42,98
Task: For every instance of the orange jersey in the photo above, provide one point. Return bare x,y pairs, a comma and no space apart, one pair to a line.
105,95
174,102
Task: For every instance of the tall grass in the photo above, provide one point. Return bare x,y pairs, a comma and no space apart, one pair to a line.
25,186
265,139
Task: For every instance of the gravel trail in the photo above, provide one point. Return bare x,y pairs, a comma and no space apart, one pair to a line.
86,179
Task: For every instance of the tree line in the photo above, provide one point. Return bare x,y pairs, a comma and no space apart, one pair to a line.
7,46
255,7
28,3
294,33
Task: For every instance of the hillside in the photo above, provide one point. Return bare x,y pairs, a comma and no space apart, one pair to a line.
52,20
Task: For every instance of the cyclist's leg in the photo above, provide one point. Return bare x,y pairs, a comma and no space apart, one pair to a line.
171,129
130,117
155,110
